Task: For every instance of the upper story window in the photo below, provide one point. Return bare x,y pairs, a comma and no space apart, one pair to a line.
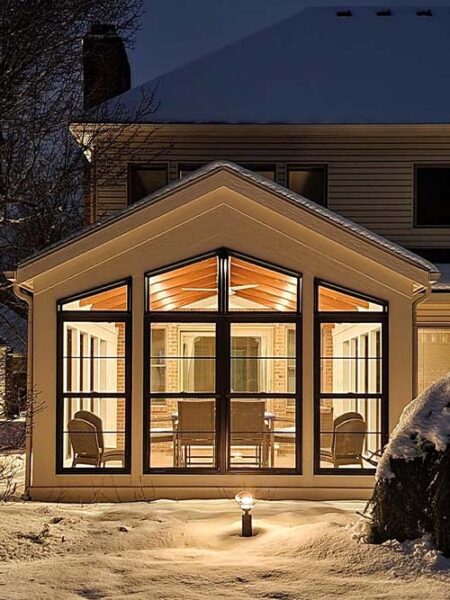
144,180
267,171
432,196
310,182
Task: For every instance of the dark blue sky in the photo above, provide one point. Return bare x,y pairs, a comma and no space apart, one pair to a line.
175,32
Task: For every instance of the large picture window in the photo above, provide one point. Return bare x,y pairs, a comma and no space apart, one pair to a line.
350,380
222,367
94,386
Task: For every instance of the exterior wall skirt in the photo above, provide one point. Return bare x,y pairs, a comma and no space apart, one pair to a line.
147,494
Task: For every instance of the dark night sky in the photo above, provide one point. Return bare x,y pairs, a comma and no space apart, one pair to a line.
175,32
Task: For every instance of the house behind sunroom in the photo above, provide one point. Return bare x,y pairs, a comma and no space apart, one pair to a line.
262,300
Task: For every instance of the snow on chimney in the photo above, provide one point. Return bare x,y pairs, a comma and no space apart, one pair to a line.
106,69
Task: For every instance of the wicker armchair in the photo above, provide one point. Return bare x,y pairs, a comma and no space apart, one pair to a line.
347,442
195,427
87,440
249,428
84,440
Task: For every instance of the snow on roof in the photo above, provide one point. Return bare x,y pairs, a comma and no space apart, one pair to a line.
317,67
324,213
427,418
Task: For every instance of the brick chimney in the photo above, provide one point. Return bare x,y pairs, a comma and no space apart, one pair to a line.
105,65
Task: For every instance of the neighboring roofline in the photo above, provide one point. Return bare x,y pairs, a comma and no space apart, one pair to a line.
288,195
336,123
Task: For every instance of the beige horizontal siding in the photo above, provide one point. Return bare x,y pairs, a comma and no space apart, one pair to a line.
370,177
435,310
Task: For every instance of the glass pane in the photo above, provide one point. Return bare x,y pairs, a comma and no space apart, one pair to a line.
182,433
432,196
331,300
266,171
257,288
350,432
184,170
94,432
351,359
182,357
94,357
145,181
262,433
309,183
263,357
192,287
433,355
112,299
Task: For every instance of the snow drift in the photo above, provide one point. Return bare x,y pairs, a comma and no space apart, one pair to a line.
412,491
425,419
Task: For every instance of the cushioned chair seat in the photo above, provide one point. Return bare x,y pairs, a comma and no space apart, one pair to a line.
161,434
285,434
113,454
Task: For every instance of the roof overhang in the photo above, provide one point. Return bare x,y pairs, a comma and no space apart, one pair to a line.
221,174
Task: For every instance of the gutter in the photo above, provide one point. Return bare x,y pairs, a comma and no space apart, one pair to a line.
27,297
420,297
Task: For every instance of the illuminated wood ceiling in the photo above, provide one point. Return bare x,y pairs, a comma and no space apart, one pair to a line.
252,287
114,299
332,300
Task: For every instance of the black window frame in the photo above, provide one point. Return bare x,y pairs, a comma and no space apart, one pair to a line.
254,167
416,167
145,166
190,166
383,396
313,166
122,316
223,319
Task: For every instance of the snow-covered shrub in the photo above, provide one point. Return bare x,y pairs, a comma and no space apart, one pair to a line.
412,491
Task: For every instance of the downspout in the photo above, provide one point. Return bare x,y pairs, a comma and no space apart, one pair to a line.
27,297
421,296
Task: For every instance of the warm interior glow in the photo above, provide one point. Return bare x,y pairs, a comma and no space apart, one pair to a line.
253,287
112,299
331,300
192,287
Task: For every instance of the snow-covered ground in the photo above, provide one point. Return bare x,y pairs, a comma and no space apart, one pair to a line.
192,549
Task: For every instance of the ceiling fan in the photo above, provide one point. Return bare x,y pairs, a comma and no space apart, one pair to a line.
233,288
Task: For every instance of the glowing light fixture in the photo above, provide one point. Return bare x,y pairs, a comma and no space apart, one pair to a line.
246,502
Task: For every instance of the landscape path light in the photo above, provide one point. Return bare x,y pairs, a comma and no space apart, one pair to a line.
246,502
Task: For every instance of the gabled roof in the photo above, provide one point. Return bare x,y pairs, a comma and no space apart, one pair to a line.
317,67
319,211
